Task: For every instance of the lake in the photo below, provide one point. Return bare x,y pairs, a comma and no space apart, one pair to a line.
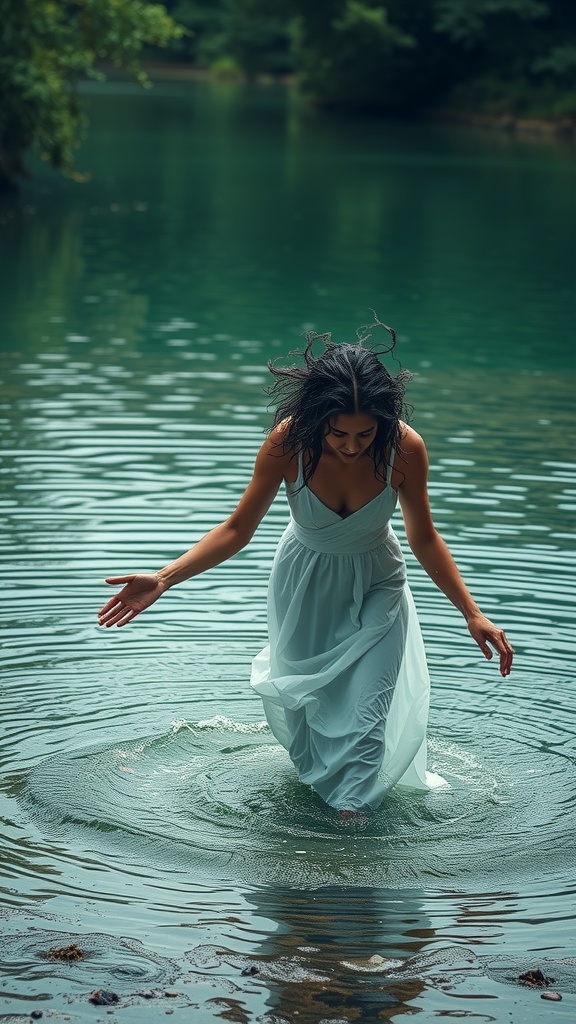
148,816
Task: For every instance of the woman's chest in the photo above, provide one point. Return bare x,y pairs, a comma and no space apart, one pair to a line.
346,492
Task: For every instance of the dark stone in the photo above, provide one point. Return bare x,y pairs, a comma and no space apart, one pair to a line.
103,997
252,969
36,1014
68,953
535,979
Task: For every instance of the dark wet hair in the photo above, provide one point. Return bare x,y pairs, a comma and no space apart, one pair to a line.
343,380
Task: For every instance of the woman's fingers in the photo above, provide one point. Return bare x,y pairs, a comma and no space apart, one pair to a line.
485,634
500,641
111,607
121,604
506,654
109,612
108,607
505,650
123,617
140,590
118,615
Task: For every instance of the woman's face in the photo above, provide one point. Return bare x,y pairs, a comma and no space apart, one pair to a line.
350,436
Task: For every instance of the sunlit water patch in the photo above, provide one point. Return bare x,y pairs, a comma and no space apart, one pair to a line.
222,799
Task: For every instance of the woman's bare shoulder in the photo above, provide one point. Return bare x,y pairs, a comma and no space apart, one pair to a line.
279,433
277,446
411,457
412,442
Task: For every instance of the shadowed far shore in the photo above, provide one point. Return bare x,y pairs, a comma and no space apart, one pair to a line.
550,127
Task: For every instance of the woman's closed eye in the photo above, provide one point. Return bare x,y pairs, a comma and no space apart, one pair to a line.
341,433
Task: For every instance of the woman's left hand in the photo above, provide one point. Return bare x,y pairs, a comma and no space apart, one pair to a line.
484,633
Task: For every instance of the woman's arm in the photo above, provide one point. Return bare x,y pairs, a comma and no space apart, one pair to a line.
433,554
143,589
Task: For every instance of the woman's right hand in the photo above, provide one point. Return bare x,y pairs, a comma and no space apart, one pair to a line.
139,592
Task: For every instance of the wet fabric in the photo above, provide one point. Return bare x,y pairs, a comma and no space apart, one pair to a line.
344,680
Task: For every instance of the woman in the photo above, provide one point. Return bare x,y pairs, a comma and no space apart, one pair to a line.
344,680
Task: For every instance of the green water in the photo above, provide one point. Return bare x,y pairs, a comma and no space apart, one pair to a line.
147,814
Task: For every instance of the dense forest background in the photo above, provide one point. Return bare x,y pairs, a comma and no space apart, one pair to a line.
505,58
398,56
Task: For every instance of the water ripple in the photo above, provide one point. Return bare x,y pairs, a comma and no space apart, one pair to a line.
222,798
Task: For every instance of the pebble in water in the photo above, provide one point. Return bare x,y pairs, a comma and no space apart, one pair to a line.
535,978
69,953
554,997
103,997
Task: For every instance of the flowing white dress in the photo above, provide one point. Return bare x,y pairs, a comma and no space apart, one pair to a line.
344,680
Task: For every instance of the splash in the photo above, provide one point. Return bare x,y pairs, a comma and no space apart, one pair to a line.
222,798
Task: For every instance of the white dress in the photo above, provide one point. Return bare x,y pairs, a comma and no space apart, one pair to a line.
344,680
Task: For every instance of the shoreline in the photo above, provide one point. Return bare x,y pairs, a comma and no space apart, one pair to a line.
509,123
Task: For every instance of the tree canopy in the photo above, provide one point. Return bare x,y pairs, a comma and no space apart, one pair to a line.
47,47
398,56
390,56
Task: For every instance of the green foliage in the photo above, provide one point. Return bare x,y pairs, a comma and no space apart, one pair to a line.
47,46
517,97
468,21
349,53
560,61
226,67
257,38
521,55
393,56
252,34
205,39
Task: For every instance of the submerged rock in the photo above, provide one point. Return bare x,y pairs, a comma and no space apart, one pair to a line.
554,997
104,997
535,979
68,953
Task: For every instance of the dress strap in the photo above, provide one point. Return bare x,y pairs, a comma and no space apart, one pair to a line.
300,477
390,467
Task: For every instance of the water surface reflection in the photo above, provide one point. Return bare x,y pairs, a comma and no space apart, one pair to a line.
137,328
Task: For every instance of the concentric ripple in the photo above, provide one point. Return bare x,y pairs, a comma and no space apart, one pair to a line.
105,959
458,962
222,798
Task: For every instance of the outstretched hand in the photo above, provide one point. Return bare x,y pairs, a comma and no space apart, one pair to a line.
484,633
139,592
